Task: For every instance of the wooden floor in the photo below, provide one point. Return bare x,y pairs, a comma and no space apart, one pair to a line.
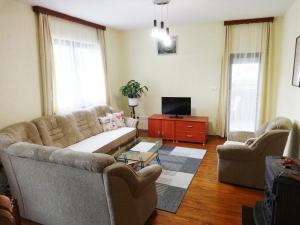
207,201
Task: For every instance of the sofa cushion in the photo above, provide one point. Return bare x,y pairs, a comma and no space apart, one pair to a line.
279,123
25,131
131,122
87,123
106,141
108,123
234,143
59,131
118,117
102,110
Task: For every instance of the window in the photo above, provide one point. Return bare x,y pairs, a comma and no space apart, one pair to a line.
79,74
244,92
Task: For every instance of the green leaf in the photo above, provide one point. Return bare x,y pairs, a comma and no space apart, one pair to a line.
133,89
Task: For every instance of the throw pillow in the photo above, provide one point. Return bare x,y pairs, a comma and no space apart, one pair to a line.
118,117
108,123
250,141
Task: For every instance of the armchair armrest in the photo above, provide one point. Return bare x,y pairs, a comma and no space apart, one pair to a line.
240,136
130,122
236,152
136,181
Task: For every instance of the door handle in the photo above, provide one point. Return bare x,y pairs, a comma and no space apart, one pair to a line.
188,135
190,126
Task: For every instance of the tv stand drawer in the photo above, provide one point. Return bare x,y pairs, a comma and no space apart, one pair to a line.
191,136
191,126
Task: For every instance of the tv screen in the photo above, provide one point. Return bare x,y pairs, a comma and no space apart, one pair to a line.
176,105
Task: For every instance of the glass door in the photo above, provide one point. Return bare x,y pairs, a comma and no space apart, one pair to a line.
244,92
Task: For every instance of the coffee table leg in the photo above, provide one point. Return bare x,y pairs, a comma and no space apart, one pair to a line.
142,164
158,159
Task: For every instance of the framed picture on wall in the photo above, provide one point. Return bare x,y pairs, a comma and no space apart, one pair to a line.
296,72
162,49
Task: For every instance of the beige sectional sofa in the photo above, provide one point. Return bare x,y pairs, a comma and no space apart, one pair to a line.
58,172
79,131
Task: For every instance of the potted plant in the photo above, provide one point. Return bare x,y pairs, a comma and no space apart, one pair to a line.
133,90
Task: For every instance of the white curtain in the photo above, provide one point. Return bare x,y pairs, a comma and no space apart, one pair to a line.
101,39
222,114
46,64
245,83
80,79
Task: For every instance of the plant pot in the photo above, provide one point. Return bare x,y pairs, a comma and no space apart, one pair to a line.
132,101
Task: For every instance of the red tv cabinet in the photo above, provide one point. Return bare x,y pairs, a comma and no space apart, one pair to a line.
188,128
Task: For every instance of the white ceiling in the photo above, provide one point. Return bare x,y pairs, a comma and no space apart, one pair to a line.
131,14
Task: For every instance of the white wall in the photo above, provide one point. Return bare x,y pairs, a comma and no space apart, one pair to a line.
193,72
288,95
19,65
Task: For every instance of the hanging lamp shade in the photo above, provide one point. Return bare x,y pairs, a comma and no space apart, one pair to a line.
155,31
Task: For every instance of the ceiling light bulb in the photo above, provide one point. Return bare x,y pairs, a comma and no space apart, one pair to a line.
162,32
162,35
154,32
167,41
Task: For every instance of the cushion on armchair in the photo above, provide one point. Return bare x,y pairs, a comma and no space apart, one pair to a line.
279,123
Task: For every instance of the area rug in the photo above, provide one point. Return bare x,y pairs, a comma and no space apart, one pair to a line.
179,167
247,216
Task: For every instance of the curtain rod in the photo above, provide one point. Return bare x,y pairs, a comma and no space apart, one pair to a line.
39,9
246,21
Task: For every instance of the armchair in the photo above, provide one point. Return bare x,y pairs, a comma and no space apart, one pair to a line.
244,163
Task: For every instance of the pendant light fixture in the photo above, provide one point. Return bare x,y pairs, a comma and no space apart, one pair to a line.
155,30
161,33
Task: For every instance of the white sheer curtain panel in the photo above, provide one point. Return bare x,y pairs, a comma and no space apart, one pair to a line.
245,87
249,77
46,65
79,66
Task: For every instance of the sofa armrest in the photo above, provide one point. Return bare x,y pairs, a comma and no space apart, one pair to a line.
94,162
5,142
236,152
136,181
240,136
131,122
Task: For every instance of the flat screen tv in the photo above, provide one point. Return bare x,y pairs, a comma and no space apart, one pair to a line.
176,106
